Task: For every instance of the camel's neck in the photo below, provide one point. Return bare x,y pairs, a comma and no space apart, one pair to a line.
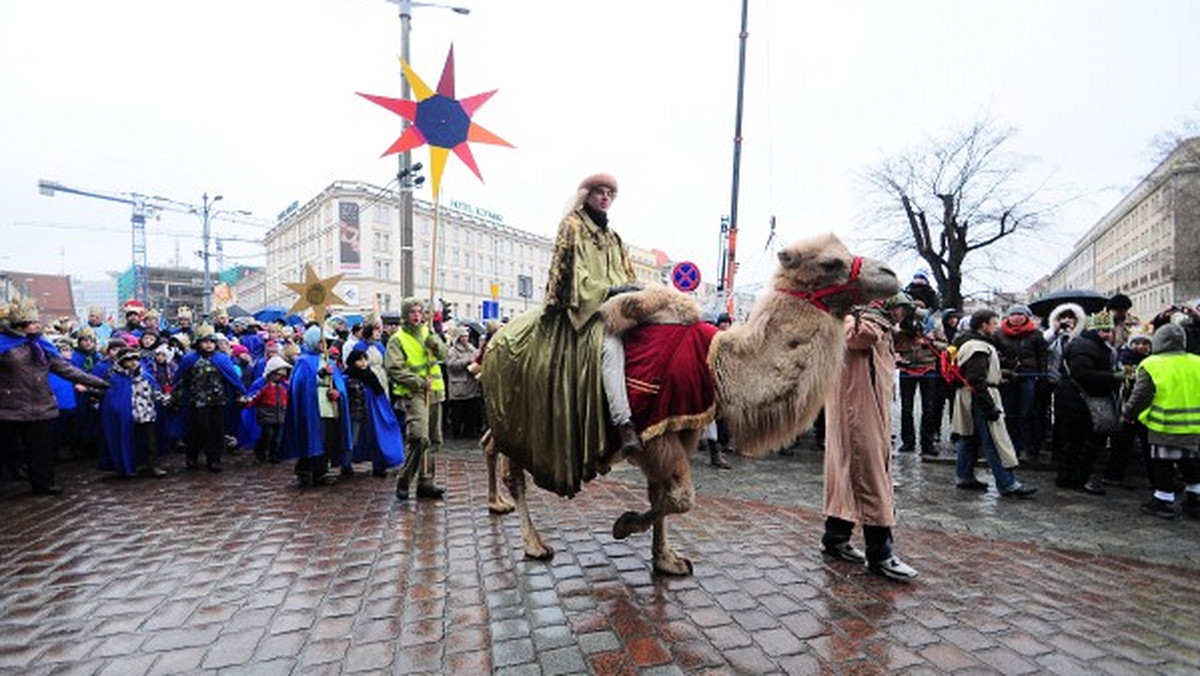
774,371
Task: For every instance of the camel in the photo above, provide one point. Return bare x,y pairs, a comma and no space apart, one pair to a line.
771,376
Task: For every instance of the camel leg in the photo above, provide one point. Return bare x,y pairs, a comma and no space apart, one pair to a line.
497,503
535,548
666,560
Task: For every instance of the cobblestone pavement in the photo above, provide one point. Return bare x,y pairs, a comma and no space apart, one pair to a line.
243,573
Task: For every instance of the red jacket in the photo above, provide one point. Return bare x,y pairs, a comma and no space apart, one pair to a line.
271,403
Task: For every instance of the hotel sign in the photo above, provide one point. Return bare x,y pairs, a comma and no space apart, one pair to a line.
476,211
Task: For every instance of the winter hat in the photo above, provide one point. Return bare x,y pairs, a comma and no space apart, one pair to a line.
238,350
115,343
1100,321
1139,337
85,332
1018,309
126,353
312,338
409,304
901,299
354,356
276,363
182,340
921,274
600,180
164,349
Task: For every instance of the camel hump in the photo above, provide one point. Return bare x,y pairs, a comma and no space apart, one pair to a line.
652,305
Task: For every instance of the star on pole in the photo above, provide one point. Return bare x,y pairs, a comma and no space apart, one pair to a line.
315,293
439,119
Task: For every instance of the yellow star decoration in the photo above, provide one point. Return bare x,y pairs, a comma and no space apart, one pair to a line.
315,293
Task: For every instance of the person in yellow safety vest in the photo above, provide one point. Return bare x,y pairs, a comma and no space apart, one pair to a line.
1166,399
413,363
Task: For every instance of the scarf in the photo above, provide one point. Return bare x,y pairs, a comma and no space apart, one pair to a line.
1017,331
598,217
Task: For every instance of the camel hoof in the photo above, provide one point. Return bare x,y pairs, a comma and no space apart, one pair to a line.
673,565
626,525
542,552
500,506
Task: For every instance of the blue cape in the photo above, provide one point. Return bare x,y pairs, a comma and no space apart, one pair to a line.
302,423
382,439
116,420
8,341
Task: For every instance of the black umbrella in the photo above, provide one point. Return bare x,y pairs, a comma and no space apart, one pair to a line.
1090,300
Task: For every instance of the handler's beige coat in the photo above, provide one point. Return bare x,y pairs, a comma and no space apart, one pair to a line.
858,424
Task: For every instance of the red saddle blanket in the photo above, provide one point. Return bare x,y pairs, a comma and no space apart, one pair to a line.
666,373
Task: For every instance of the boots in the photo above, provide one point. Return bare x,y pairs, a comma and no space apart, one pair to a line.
716,456
630,442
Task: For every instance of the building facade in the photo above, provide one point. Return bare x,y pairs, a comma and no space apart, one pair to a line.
353,229
1148,246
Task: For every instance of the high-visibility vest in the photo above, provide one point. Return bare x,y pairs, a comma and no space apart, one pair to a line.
417,358
1176,405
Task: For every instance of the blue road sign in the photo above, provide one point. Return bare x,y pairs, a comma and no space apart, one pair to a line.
685,276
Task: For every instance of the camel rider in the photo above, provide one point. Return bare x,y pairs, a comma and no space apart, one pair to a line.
413,363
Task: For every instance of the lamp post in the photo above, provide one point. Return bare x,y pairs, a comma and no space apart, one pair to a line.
206,214
407,278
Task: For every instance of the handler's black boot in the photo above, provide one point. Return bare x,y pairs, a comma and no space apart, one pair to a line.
630,443
402,486
716,456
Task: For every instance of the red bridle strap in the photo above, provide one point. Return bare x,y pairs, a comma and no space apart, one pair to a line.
815,297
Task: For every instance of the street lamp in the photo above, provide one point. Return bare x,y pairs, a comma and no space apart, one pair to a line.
206,214
407,283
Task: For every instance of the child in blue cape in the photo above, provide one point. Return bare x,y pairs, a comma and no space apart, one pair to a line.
128,415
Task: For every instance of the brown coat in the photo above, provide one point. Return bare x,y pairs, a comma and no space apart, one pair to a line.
25,394
858,425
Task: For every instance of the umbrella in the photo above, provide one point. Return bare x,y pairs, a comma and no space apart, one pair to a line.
1089,299
236,311
472,324
270,313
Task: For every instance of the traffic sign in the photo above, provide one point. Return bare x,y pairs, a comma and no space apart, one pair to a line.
685,276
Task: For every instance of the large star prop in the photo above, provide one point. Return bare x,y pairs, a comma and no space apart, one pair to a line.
315,293
439,119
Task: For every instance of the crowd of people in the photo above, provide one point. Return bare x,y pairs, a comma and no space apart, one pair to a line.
1059,391
326,396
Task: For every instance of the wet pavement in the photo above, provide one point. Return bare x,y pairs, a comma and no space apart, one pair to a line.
243,573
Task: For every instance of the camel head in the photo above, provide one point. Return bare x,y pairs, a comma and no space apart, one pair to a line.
825,273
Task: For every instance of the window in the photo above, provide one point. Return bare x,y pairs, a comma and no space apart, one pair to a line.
383,269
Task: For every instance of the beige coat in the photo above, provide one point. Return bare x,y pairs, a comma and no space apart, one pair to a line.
963,424
858,425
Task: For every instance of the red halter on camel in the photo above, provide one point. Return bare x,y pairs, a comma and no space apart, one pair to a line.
815,297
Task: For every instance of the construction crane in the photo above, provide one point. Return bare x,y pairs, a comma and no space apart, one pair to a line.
144,206
149,206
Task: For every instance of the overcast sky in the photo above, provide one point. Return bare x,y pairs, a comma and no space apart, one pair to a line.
255,100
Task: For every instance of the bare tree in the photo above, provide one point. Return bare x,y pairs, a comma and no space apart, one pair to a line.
951,198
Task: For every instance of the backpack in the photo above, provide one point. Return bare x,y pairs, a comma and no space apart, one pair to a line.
948,365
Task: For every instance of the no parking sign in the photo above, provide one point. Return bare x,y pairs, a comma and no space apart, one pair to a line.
685,276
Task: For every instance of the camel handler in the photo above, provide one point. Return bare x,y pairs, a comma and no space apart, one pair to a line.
413,363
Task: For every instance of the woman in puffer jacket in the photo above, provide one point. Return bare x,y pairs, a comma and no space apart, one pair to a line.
1091,370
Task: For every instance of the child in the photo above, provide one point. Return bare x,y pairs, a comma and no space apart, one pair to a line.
375,432
316,426
356,386
270,404
205,378
128,417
